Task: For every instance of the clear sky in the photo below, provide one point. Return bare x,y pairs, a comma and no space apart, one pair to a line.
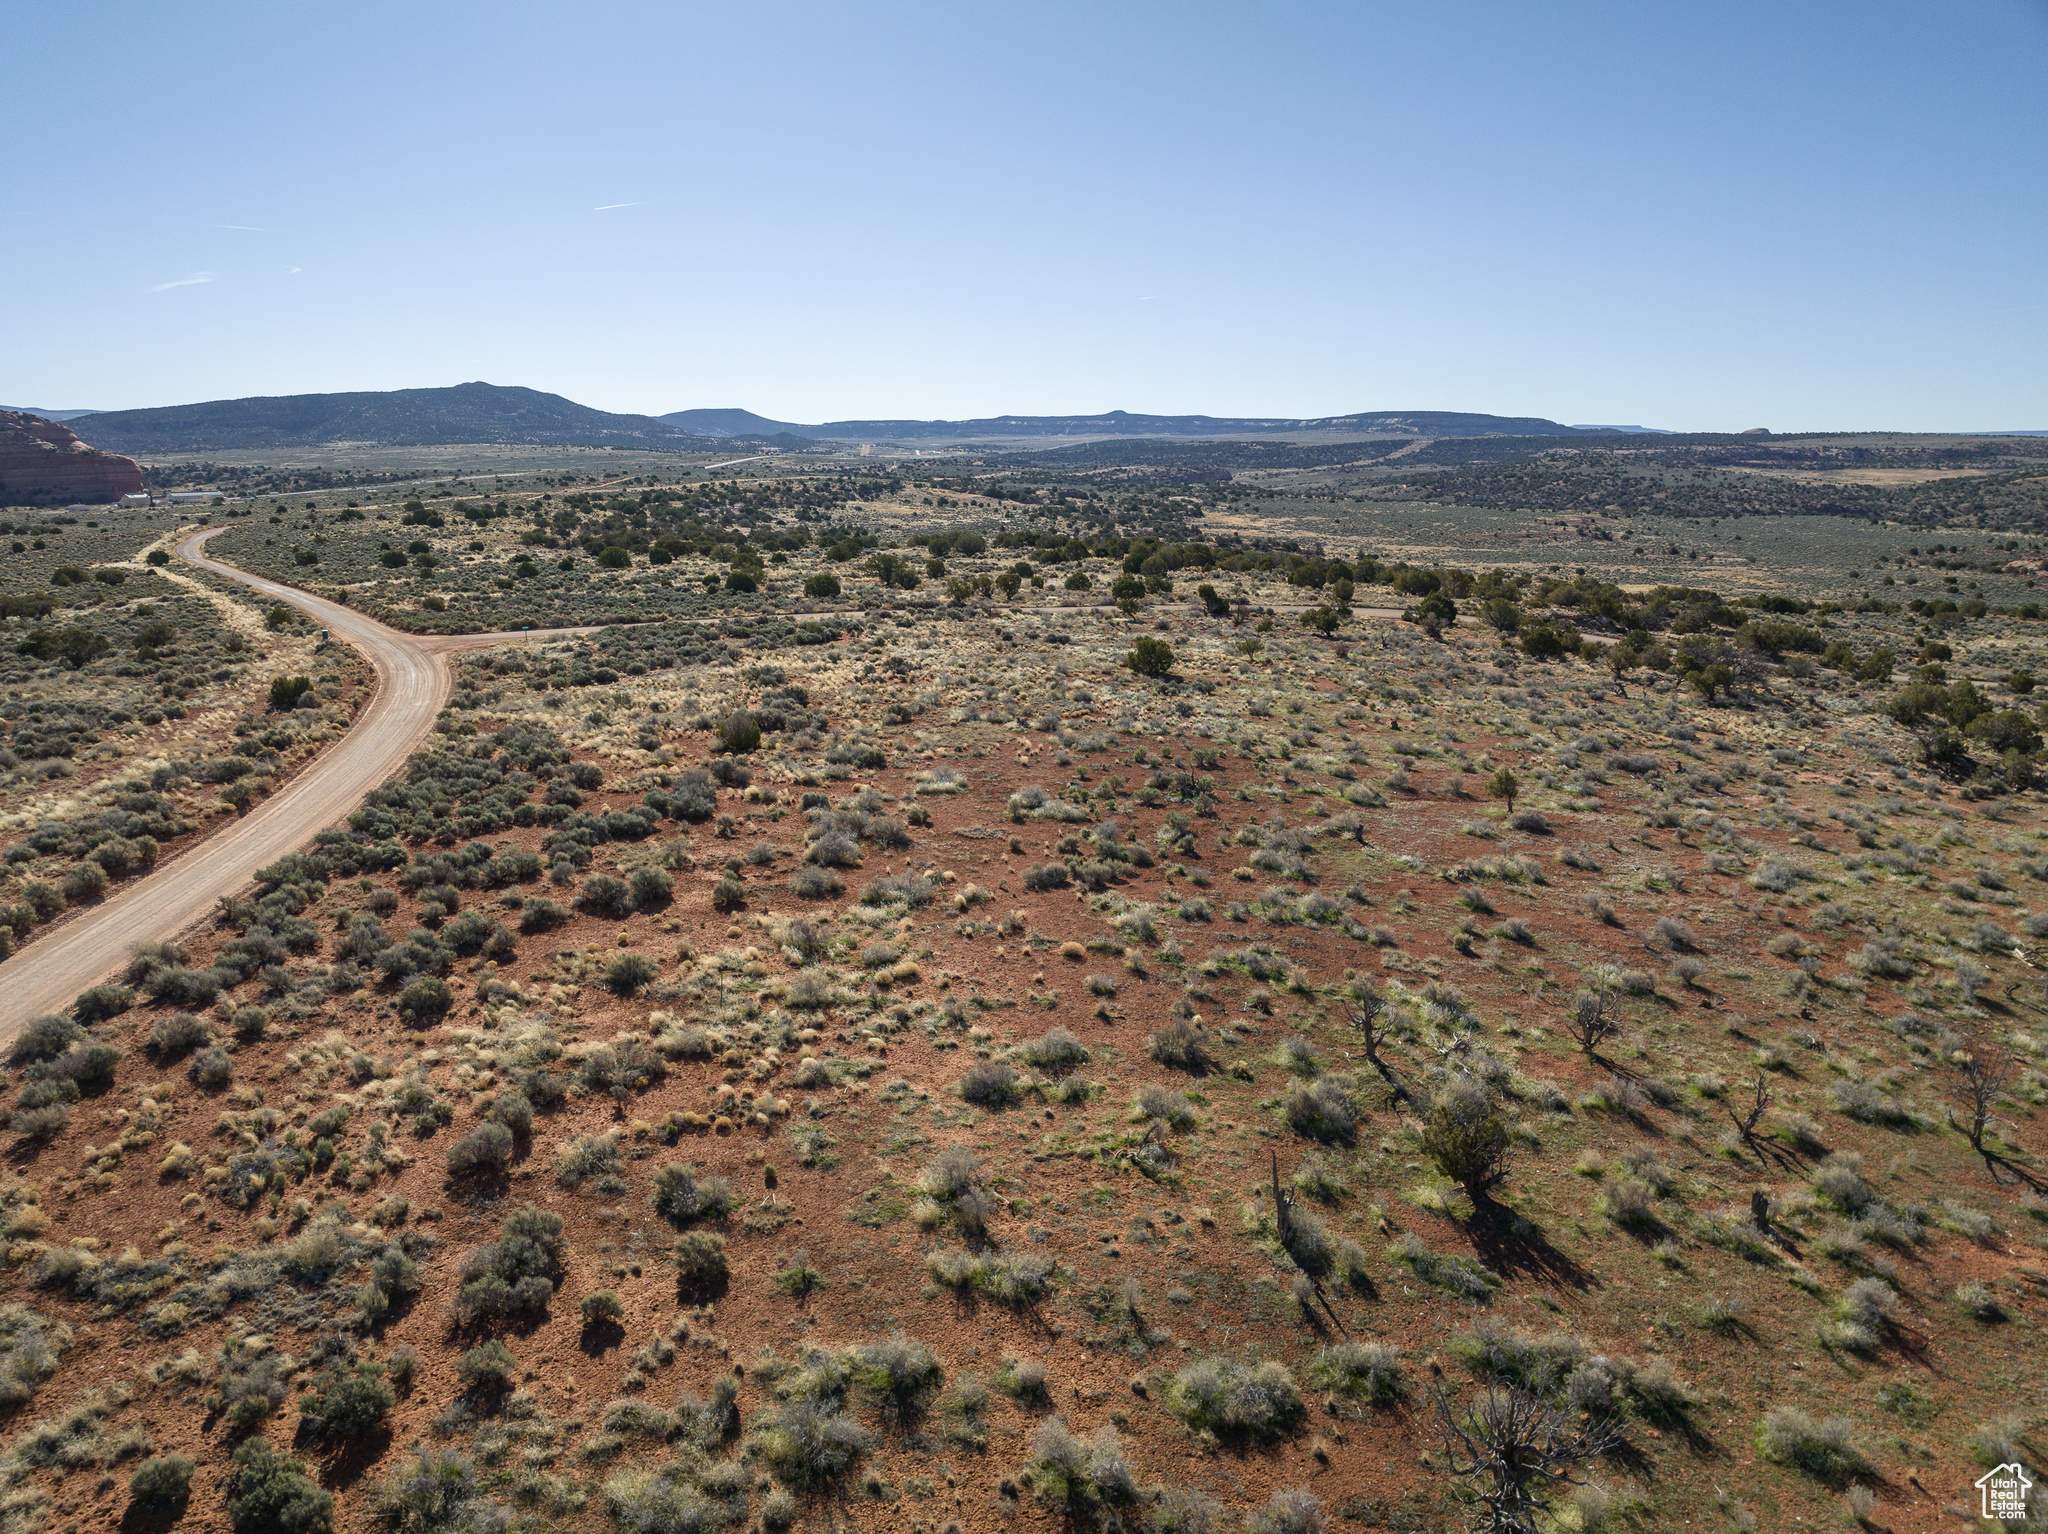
1694,215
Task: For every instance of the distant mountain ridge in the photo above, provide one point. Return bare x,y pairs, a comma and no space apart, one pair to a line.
731,423
1122,423
48,415
464,413
494,413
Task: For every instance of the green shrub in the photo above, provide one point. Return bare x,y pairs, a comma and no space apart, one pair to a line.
162,1482
680,1196
700,1262
183,986
487,1368
808,1442
1084,1481
1234,1401
1452,1272
816,883
822,586
1056,1052
513,1109
1824,1450
628,973
393,1276
285,692
605,895
1022,1379
602,1308
651,888
1978,1300
100,1002
621,1068
30,1346
86,1064
438,1494
740,734
270,1493
899,1373
179,1033
39,1123
425,1000
1150,657
1323,1109
251,1387
47,1092
541,915
796,1277
1468,1143
588,1158
1023,1282
515,1276
990,1083
1290,1510
1364,1371
487,1148
348,1402
43,1038
1181,1046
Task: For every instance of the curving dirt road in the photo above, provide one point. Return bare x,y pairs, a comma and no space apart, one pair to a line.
413,680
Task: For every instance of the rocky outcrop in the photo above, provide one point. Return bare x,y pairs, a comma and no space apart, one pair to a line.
42,463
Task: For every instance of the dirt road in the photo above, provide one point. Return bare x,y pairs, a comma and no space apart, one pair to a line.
413,679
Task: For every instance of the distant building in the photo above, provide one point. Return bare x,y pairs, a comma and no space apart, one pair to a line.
191,497
140,498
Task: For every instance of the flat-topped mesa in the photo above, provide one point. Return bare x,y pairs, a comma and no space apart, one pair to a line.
42,463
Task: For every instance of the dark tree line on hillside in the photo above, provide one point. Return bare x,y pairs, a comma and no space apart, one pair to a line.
2017,498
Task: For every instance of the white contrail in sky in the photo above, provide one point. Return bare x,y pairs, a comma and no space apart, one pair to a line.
183,282
607,207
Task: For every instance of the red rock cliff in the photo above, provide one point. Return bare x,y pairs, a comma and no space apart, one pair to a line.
42,463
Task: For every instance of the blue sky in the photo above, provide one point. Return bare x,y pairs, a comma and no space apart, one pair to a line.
1702,216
